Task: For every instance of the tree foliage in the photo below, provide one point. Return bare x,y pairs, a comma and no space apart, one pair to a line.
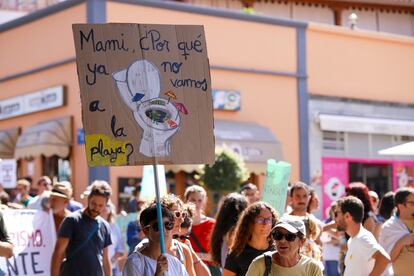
226,174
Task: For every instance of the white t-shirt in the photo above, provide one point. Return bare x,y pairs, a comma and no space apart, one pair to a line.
139,264
391,231
361,248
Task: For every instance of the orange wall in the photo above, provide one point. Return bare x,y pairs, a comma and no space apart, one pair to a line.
229,42
40,42
62,75
360,64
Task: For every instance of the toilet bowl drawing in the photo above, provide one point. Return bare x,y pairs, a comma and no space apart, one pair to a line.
139,86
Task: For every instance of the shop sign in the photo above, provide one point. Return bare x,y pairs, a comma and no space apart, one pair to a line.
8,176
226,100
33,102
145,93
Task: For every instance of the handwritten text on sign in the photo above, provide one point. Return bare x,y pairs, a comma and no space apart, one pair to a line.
146,94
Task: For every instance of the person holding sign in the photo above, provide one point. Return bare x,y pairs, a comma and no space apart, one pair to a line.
84,238
148,260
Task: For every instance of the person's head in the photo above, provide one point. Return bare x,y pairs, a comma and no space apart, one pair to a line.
289,233
313,204
386,205
299,197
330,212
188,209
251,192
149,223
404,201
256,221
349,211
44,183
197,195
22,187
98,197
4,198
59,197
374,200
227,216
361,191
174,204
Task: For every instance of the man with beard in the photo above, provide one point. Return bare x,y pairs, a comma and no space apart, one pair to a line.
84,237
397,234
364,256
299,198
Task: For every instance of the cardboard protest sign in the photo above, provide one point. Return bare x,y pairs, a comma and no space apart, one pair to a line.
33,235
276,184
145,93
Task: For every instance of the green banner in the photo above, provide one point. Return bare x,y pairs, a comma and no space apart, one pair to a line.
276,184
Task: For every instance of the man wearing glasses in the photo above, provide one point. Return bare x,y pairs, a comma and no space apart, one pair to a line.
364,256
148,261
397,234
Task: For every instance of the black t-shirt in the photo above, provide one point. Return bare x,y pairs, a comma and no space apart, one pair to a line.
87,239
240,264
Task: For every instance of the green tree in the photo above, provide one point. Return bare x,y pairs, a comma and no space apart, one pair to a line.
226,174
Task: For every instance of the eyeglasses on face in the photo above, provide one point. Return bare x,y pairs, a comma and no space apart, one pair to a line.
167,224
409,202
278,236
181,237
336,213
263,220
179,214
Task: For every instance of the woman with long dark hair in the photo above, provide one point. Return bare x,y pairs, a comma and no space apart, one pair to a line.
227,216
252,238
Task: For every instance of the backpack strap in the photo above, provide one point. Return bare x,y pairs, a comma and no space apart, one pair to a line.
268,263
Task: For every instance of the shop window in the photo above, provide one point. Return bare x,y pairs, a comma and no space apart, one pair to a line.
57,168
333,143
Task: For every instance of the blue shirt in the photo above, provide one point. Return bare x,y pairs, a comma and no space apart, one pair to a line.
87,239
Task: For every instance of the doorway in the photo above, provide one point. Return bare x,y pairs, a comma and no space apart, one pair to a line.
378,177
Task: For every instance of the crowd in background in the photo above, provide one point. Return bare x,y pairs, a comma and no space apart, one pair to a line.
362,235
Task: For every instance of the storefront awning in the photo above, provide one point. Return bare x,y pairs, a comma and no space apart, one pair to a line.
366,125
404,149
8,138
46,138
255,143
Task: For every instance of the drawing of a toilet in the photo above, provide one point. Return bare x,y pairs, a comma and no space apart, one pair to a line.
140,87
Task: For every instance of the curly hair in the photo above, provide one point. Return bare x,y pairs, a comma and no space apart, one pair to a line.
244,228
361,191
227,216
189,210
169,200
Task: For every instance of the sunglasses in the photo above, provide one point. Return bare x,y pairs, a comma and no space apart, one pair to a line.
179,214
181,237
263,220
168,226
278,236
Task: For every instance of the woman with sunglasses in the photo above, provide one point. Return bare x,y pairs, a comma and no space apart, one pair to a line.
252,238
290,235
148,260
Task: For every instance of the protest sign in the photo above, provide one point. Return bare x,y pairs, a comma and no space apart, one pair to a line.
145,93
276,184
8,175
33,235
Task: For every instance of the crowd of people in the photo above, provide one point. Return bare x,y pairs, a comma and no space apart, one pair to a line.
363,234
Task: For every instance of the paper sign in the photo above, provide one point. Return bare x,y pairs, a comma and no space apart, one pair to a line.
145,93
33,235
148,186
276,184
8,176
